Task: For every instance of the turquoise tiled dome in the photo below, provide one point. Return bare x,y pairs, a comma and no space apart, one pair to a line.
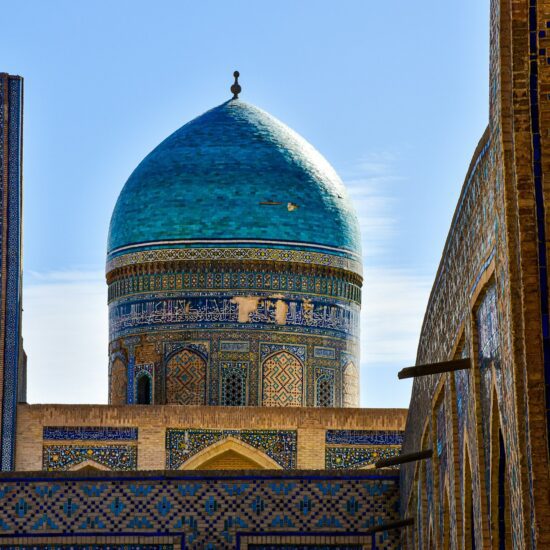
234,175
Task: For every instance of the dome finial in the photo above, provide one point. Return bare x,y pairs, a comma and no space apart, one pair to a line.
236,88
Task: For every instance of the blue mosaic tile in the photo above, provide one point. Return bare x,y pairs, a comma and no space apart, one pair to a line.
11,104
182,444
363,437
357,457
65,457
83,433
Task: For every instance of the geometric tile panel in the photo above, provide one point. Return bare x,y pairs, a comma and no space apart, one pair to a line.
324,382
234,378
182,444
65,457
186,379
204,512
118,383
282,380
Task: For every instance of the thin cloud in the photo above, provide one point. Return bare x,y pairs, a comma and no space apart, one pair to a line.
394,297
371,183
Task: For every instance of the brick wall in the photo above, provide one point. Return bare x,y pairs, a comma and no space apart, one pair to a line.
309,425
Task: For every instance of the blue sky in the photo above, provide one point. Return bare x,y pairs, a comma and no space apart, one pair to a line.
394,94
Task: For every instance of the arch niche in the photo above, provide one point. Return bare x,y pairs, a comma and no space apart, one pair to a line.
186,378
283,380
119,383
230,454
144,389
88,466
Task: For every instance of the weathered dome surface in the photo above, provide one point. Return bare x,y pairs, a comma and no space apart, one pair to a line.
234,176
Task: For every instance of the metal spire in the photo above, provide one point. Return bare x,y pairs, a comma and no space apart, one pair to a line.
236,88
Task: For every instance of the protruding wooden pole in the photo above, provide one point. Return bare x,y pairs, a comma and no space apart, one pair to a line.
402,459
390,526
434,368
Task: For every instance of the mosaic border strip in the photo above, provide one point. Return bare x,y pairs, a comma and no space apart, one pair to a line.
167,312
364,437
253,254
195,280
10,180
357,457
85,433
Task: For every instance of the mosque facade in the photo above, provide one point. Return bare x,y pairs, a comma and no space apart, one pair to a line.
234,348
234,288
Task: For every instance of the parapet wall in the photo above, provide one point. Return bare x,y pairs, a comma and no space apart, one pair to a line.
158,437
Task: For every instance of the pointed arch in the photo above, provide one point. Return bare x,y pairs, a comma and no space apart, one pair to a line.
468,502
283,380
144,389
500,491
88,465
446,504
421,511
118,383
186,378
230,454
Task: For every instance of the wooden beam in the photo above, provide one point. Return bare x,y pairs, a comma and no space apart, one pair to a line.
390,526
434,368
402,459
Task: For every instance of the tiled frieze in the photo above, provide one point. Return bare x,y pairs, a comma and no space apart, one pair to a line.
357,457
215,513
204,280
363,437
66,457
238,254
83,433
359,448
182,444
161,311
